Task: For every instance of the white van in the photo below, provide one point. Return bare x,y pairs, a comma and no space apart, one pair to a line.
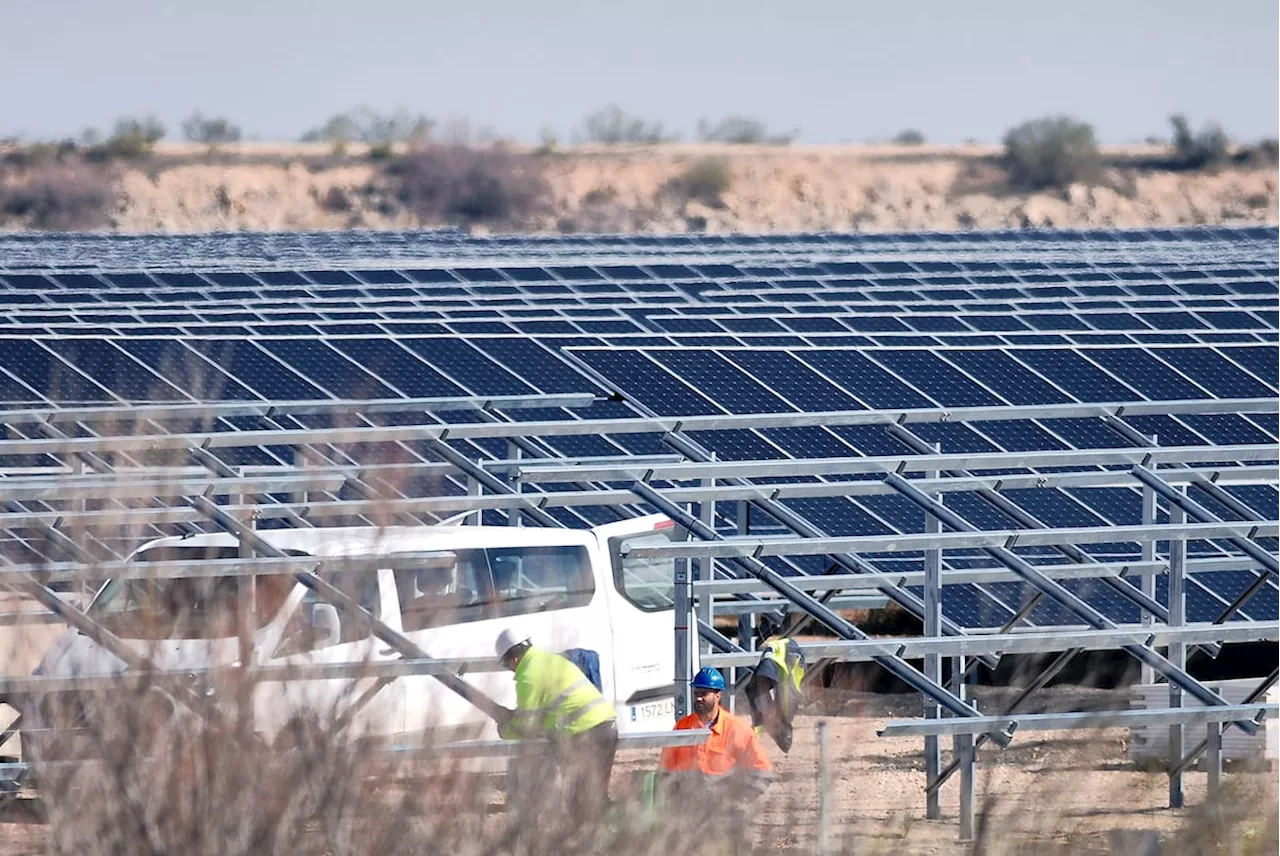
566,588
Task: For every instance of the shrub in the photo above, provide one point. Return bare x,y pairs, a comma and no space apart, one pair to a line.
363,125
909,137
131,139
611,126
1051,152
336,200
58,197
455,183
741,130
1197,151
705,180
198,128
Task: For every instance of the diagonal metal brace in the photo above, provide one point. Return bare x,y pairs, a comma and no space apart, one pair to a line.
324,589
847,561
1257,694
842,628
1200,514
1024,518
1065,598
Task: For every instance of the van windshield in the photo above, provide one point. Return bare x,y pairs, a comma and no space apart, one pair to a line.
186,607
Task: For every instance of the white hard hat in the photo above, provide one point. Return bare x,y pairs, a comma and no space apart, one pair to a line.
508,639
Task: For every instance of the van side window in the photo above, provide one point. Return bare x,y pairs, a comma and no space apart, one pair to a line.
533,579
443,592
647,583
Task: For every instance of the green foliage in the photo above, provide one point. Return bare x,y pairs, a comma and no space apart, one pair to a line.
132,138
741,130
456,183
909,137
705,180
1207,148
198,128
612,126
1051,152
363,125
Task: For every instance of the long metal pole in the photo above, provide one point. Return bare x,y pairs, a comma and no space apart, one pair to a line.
1200,514
491,482
706,564
1258,692
895,665
1177,650
1148,674
683,614
801,526
1065,598
932,662
1213,758
401,643
1149,605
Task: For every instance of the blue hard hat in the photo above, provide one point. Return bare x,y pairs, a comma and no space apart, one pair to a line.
708,679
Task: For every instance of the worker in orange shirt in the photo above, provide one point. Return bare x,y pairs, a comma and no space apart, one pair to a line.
730,767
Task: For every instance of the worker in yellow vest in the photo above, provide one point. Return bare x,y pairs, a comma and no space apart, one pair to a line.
554,699
774,689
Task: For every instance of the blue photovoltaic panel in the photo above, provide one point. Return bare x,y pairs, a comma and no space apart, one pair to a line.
808,321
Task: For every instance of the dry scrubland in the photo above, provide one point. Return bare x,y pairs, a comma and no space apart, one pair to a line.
1049,793
661,188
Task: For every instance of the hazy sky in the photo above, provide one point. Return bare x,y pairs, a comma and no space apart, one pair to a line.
836,70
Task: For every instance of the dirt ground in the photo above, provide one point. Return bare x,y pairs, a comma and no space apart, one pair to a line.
1063,789
629,189
1052,792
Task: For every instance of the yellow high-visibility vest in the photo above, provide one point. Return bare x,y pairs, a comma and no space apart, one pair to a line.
790,665
553,696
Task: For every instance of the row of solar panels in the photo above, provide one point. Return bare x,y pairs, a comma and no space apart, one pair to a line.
1167,313
236,249
102,369
705,274
687,382
332,352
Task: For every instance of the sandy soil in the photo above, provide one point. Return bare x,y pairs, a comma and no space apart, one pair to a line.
1055,792
772,189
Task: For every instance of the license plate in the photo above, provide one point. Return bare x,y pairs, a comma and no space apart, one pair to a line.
664,709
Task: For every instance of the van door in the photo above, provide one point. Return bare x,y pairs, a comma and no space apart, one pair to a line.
642,615
458,607
314,631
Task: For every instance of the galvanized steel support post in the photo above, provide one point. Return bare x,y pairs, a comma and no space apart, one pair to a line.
1064,597
683,615
1256,694
1213,759
966,756
706,566
515,452
1177,650
842,628
1148,674
447,453
932,662
746,622
801,526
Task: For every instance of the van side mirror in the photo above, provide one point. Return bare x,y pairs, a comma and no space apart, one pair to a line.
326,627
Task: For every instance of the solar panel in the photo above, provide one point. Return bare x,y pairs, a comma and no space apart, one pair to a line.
693,325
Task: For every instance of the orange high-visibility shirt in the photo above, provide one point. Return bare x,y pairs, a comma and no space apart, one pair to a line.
732,745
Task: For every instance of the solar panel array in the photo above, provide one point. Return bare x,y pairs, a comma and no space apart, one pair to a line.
685,326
